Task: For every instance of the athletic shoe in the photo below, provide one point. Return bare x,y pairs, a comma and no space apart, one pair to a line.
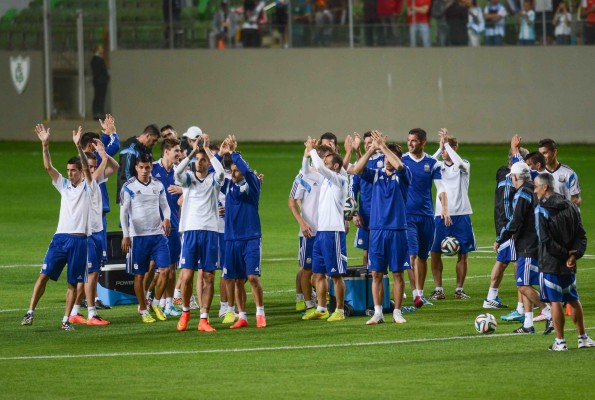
222,312
460,294
300,305
418,302
261,321
549,327
178,302
193,303
376,319
313,313
77,319
101,306
158,313
496,303
426,301
513,316
205,326
148,318
523,330
242,323
585,343
172,311
229,318
336,316
183,321
558,346
67,326
27,319
437,295
408,309
96,320
398,318
540,317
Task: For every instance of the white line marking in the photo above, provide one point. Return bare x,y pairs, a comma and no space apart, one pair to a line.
263,349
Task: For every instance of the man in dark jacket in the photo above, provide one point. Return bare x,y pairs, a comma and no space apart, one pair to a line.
100,81
562,241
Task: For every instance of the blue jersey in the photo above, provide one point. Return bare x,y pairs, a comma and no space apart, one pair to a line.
168,179
241,204
112,146
389,194
419,196
364,188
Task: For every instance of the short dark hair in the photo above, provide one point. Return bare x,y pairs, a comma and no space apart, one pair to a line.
166,127
329,136
452,141
549,144
395,148
226,161
536,157
214,146
422,136
76,160
367,134
88,137
90,156
152,130
143,158
323,148
337,159
169,144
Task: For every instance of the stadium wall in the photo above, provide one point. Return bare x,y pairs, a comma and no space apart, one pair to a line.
481,95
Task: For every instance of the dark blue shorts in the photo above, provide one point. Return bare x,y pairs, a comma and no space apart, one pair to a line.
200,250
388,249
362,239
329,255
66,249
461,228
305,252
143,250
94,252
558,288
506,252
420,235
221,261
242,258
527,272
174,242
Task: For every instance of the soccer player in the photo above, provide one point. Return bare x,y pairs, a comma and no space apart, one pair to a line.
562,241
329,254
420,212
536,161
168,132
455,178
199,225
565,178
388,224
163,170
144,232
69,244
522,227
243,243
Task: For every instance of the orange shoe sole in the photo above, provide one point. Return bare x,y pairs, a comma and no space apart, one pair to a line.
241,323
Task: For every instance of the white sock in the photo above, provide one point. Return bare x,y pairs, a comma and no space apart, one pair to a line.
299,296
520,308
144,312
75,309
559,341
309,303
185,309
421,292
439,289
64,319
224,306
397,312
91,312
377,309
321,309
168,302
528,320
492,293
459,289
260,310
155,303
177,293
342,311
148,294
243,315
204,315
32,312
414,293
96,299
162,303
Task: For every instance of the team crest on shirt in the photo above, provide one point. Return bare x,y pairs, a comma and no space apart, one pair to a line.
562,178
155,190
427,168
379,164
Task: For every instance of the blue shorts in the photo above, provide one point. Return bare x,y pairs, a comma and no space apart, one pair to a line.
143,250
94,252
527,272
329,255
461,228
305,252
174,242
200,250
362,239
420,235
506,252
221,251
242,258
388,248
557,288
104,238
66,249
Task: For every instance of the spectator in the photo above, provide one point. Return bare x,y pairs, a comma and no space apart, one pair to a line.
494,15
439,8
562,21
419,21
339,10
387,11
251,27
280,20
476,24
527,31
100,81
223,28
457,16
371,21
301,12
588,14
172,16
323,20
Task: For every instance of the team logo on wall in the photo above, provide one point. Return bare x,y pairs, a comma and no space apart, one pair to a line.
19,71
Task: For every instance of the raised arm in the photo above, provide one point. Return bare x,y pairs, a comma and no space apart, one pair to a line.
76,138
215,163
380,140
360,166
109,136
348,150
44,135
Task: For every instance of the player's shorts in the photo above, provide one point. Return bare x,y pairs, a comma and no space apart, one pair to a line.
388,249
143,250
461,228
506,252
329,255
174,242
242,258
200,250
104,238
557,288
221,251
527,272
94,252
420,235
362,239
66,249
305,252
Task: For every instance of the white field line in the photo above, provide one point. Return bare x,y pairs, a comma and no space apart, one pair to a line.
261,349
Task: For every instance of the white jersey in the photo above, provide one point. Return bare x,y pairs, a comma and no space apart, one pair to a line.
307,189
333,193
139,207
455,181
200,211
220,203
96,210
74,205
565,181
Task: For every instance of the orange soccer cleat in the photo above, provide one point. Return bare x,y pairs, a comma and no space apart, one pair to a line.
183,321
261,321
205,326
96,320
241,323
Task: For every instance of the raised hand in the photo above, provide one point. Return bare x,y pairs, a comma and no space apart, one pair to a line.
348,145
108,125
205,140
378,139
443,135
310,145
76,136
357,141
233,143
42,133
224,148
100,148
515,143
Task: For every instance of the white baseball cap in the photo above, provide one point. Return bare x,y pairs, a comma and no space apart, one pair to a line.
519,168
193,132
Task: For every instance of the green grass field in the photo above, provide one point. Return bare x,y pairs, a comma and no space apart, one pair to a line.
437,354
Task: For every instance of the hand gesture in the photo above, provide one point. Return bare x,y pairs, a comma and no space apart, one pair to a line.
76,136
100,148
233,143
108,125
259,176
443,135
310,145
378,139
195,145
224,148
515,143
205,140
42,133
357,141
348,145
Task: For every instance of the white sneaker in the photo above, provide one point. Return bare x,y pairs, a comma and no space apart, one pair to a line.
222,312
398,318
376,319
586,342
193,304
540,317
558,346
